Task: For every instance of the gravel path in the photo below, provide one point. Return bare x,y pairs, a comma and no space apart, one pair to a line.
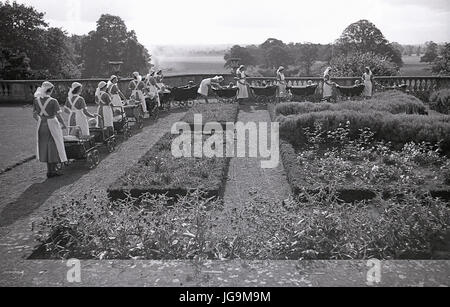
26,191
246,178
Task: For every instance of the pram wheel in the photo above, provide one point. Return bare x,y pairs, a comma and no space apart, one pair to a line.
111,145
93,159
140,122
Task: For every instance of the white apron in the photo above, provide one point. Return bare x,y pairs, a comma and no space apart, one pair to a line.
81,119
139,96
367,86
204,87
281,86
327,90
153,93
55,130
108,116
116,101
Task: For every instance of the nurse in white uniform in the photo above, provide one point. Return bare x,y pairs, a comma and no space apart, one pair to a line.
368,83
203,90
76,105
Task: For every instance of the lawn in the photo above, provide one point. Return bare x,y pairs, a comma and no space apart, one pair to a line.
413,67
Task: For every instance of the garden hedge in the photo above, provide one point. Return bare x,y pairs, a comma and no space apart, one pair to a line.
397,129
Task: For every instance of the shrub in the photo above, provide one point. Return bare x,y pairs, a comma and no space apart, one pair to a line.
159,172
414,227
353,65
392,102
149,227
396,129
440,101
195,227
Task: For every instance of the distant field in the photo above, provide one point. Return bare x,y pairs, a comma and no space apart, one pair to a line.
173,65
413,67
192,65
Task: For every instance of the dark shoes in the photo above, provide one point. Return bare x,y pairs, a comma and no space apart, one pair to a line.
54,174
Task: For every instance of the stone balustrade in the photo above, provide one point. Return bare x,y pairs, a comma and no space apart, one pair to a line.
20,91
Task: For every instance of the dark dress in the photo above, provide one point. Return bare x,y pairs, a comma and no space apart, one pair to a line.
48,152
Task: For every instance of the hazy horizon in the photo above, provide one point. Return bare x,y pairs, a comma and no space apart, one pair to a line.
205,23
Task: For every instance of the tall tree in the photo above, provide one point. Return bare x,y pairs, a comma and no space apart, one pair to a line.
362,37
21,27
308,54
239,52
276,56
441,64
26,35
112,42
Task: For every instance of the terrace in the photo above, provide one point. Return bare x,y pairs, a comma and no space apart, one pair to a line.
255,222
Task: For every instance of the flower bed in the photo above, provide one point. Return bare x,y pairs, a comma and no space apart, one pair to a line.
159,172
196,227
363,168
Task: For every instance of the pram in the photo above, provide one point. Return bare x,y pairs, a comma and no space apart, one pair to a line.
350,91
152,107
121,125
302,92
134,114
265,94
226,94
104,136
82,148
164,98
184,95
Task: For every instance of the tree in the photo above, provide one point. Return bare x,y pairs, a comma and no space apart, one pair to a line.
239,52
277,56
272,42
353,65
44,51
14,65
21,28
431,52
441,64
307,57
112,42
362,37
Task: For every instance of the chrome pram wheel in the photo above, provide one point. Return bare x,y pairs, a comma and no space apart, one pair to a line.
93,159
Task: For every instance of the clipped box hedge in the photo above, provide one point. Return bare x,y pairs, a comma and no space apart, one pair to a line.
391,102
397,129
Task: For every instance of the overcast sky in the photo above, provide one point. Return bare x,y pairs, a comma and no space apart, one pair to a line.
253,21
